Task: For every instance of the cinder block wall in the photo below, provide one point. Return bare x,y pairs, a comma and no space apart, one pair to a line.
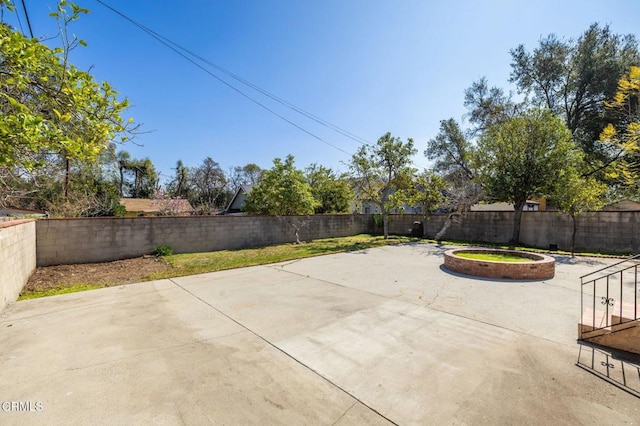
62,241
17,257
86,240
604,231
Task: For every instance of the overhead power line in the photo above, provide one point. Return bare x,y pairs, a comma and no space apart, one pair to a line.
188,55
184,52
26,15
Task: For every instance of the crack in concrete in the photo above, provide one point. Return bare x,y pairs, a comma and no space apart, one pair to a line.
283,265
437,295
281,350
343,414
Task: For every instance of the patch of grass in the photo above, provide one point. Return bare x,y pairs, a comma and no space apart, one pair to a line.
497,257
197,263
34,294
525,248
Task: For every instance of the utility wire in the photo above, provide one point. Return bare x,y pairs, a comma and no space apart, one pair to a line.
19,23
257,88
26,15
171,46
185,53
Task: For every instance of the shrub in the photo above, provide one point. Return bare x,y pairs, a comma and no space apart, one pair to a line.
163,250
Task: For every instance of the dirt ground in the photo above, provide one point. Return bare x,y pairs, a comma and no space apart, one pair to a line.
108,273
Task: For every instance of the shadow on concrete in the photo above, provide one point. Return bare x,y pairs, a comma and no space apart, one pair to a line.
577,260
621,369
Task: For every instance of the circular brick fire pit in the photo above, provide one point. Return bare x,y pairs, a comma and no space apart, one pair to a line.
535,267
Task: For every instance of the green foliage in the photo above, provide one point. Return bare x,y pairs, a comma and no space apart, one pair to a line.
119,210
451,150
575,194
163,250
8,4
454,154
573,78
381,170
57,125
427,191
35,294
208,183
249,174
283,190
180,186
49,105
333,194
623,135
140,178
197,263
523,157
487,106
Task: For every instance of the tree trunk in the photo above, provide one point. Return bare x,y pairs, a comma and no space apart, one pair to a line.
67,177
450,219
297,232
136,184
573,234
385,224
517,219
121,180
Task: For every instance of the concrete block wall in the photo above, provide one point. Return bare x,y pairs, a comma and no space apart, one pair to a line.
476,226
17,257
86,240
62,241
605,231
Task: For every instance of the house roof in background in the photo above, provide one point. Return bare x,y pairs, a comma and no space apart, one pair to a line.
623,205
233,206
497,207
5,211
145,205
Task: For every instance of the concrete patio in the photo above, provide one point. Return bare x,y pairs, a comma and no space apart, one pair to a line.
379,336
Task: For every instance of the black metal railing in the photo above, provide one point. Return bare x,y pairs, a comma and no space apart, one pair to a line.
621,370
609,297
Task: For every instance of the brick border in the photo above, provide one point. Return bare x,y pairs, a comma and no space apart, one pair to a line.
540,267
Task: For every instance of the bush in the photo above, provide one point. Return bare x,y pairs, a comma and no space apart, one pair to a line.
163,250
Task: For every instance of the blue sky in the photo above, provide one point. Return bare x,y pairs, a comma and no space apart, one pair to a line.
367,66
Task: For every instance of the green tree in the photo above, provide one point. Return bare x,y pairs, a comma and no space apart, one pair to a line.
574,78
249,174
179,186
623,135
523,157
145,178
333,193
575,194
48,104
487,106
210,192
49,108
426,192
283,191
451,151
380,171
454,154
123,158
